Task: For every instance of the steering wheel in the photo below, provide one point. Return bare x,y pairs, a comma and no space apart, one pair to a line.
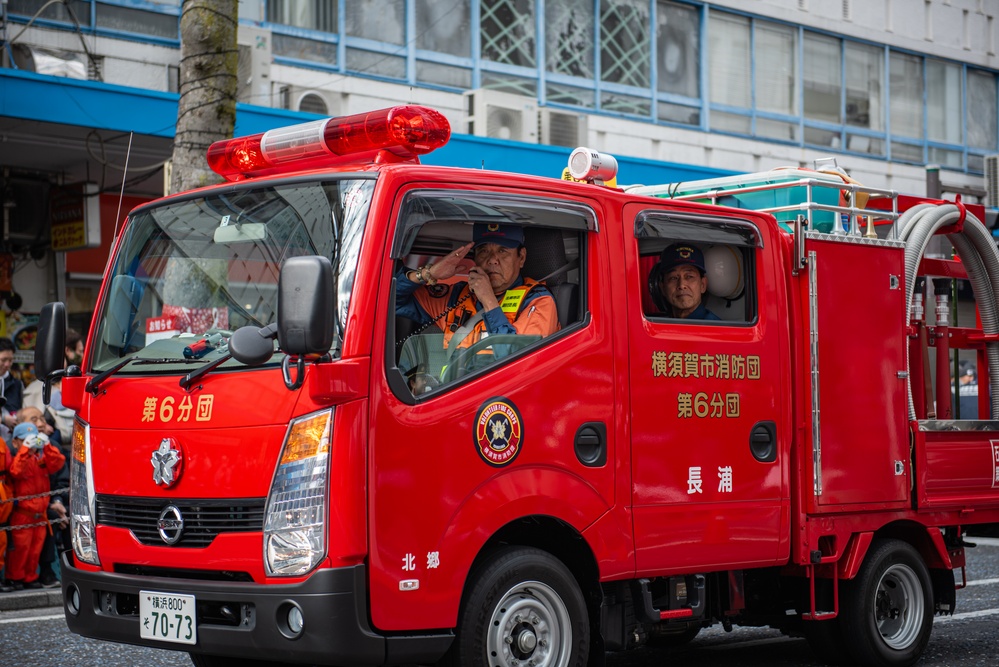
462,361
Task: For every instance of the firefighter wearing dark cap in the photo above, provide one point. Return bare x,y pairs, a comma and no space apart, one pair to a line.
496,299
684,282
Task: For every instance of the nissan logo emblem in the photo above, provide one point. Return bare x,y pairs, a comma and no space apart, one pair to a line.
170,525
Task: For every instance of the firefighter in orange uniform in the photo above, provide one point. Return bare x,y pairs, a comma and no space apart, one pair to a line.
35,460
496,299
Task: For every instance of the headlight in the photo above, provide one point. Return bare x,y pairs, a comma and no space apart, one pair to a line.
295,521
81,514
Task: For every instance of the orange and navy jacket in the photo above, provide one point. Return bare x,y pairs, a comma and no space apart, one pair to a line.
31,476
526,308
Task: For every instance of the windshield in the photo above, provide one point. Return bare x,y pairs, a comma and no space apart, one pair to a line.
190,272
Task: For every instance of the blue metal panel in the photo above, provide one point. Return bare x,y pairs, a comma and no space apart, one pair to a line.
102,106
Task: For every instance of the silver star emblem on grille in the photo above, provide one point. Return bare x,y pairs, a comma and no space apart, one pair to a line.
165,460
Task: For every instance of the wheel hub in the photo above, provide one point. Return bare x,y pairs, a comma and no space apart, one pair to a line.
529,628
525,641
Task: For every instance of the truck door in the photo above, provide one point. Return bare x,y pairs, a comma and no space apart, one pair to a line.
470,439
709,412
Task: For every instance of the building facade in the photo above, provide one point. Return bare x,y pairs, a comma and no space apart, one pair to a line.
676,90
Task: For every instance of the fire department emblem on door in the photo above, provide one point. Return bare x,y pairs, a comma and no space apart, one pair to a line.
168,462
499,431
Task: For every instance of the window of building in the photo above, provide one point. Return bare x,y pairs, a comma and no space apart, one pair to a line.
822,76
141,21
380,20
982,114
865,97
299,48
730,77
944,112
678,49
444,27
507,31
438,337
312,14
625,43
906,109
776,65
569,38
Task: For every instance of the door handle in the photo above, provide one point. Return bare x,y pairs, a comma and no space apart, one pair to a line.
591,444
763,441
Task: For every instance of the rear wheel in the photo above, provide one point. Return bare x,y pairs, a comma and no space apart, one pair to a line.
888,607
523,607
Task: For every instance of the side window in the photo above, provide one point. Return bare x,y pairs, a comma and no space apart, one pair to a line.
696,269
480,278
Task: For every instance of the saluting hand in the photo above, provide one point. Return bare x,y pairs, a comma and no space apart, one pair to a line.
447,266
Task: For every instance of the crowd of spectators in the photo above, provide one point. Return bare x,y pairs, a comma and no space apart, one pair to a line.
34,470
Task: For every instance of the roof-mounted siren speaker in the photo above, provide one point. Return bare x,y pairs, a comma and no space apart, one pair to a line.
489,113
992,180
562,128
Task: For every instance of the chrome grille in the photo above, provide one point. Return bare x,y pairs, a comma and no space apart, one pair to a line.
203,518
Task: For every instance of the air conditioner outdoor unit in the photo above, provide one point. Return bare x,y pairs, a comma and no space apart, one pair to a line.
489,113
254,65
563,128
307,100
992,179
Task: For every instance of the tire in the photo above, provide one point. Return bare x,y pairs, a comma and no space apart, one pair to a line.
522,604
888,608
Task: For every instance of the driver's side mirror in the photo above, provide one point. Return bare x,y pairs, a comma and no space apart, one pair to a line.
305,306
50,344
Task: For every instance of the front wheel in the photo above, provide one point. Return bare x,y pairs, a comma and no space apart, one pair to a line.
522,607
888,608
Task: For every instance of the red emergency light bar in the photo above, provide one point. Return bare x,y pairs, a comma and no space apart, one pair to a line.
403,132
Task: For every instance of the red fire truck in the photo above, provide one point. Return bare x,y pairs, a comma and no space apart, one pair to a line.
272,463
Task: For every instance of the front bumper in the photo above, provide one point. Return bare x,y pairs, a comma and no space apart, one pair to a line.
246,620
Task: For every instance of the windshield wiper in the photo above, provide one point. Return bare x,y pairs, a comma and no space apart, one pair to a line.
188,380
93,385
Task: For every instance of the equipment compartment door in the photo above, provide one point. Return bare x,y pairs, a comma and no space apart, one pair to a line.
857,315
708,413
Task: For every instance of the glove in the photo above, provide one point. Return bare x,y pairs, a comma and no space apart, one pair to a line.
36,441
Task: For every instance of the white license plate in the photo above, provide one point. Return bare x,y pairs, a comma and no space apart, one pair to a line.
167,617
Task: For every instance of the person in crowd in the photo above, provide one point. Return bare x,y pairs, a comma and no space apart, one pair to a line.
684,282
967,390
55,411
495,299
6,508
58,539
35,461
11,389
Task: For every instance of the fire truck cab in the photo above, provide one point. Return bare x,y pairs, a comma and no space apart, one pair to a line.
274,461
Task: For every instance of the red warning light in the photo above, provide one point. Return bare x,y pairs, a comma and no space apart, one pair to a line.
403,131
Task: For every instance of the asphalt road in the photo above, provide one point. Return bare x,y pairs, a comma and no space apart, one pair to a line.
39,638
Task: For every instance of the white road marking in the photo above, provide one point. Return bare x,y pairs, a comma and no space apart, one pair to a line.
983,582
28,619
967,614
